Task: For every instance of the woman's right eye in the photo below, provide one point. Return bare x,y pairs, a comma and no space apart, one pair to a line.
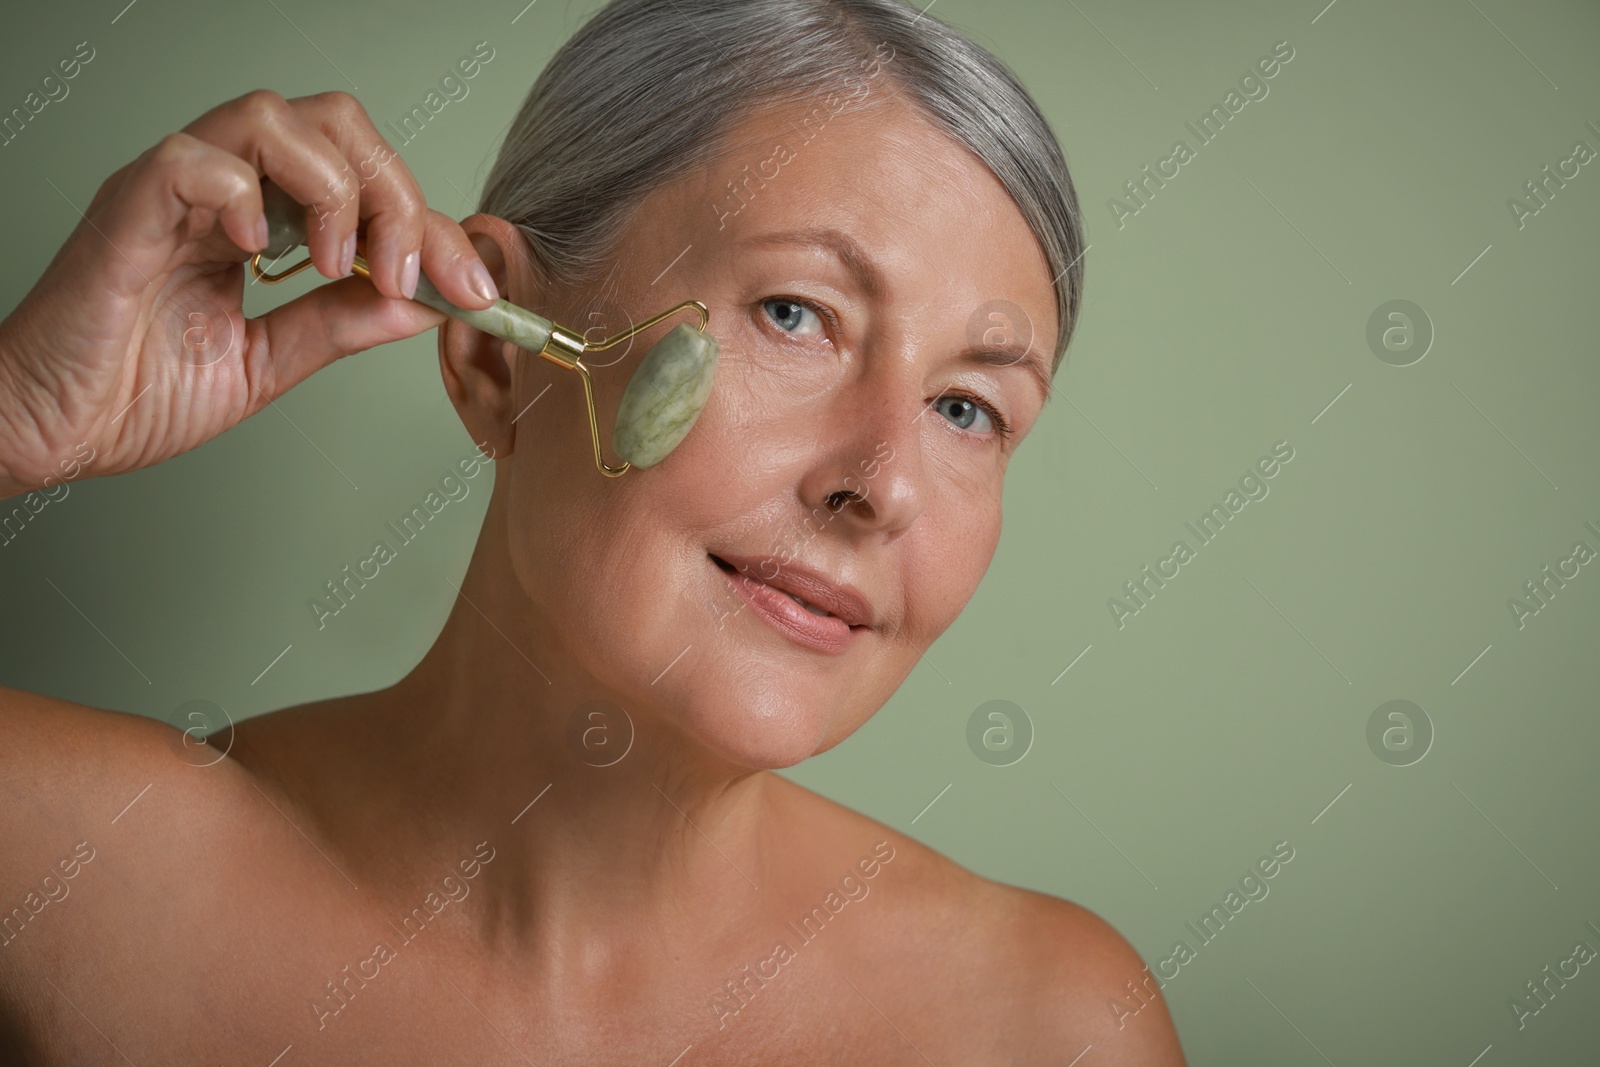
793,317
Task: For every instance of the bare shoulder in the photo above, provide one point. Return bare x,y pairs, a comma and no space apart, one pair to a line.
88,795
125,841
63,763
1080,983
1017,976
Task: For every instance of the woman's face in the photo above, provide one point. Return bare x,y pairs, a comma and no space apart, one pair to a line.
849,278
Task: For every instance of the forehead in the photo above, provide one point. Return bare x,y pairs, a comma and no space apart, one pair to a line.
926,211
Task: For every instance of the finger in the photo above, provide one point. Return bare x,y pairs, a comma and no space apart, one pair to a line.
290,343
398,222
154,209
262,129
453,264
389,200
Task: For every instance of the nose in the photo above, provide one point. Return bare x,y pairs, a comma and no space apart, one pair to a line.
871,475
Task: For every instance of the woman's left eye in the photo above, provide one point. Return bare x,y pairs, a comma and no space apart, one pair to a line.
793,317
964,412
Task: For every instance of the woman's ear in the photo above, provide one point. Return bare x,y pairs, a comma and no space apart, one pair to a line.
479,369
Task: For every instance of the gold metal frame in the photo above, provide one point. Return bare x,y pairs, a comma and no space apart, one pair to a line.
565,347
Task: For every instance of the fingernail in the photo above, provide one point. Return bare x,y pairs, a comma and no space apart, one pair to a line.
262,236
408,275
479,281
347,255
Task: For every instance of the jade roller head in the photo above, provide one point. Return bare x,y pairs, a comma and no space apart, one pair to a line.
663,398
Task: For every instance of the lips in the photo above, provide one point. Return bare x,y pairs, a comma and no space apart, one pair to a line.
799,603
820,595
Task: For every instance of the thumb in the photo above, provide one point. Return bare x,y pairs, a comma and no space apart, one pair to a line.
289,344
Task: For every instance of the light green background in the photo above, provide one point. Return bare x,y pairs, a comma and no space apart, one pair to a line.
1224,317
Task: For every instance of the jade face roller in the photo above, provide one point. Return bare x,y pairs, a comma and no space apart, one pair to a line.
663,398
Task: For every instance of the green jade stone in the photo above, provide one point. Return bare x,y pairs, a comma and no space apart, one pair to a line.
665,396
501,319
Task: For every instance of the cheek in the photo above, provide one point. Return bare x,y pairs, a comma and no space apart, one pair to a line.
954,542
763,372
579,552
612,566
581,541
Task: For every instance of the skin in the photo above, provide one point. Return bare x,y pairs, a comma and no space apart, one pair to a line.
616,906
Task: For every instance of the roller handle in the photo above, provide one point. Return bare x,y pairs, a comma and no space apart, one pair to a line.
286,230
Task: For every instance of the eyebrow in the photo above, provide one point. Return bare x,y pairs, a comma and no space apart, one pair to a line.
841,244
1015,356
872,282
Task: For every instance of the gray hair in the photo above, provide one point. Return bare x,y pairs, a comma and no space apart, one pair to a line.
642,94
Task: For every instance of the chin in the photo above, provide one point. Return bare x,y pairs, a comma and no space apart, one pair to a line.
755,722
744,697
746,691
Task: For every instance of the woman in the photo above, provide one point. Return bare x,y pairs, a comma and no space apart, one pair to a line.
557,839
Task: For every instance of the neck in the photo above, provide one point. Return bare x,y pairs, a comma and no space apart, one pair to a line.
605,820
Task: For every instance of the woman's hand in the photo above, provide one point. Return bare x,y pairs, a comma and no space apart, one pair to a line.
133,341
